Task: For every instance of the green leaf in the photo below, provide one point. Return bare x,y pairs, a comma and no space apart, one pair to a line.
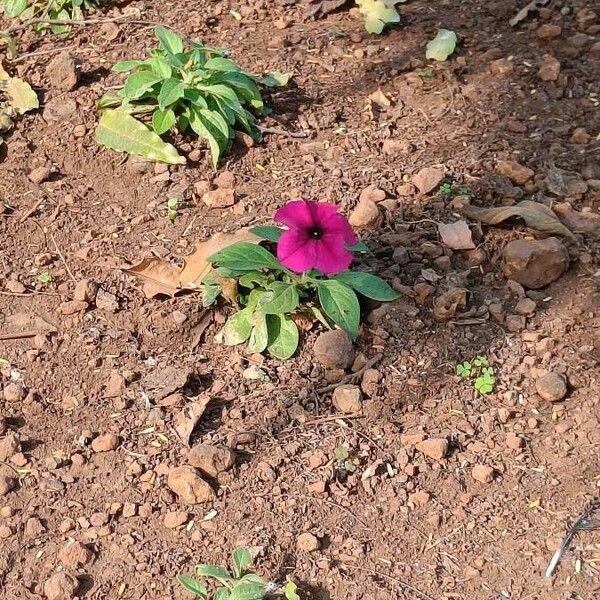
340,304
221,594
163,120
238,327
368,285
290,591
169,40
21,95
138,84
360,247
267,232
253,277
123,66
242,559
244,256
283,336
281,298
13,8
205,129
210,291
171,90
213,571
193,586
160,67
276,79
442,45
259,338
221,64
120,131
247,591
378,14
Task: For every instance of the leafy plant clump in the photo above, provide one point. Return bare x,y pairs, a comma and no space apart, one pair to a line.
16,98
379,13
479,372
195,88
276,292
50,9
237,584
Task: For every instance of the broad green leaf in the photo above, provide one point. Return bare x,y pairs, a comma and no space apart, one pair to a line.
276,79
360,247
442,45
120,131
267,232
171,90
283,336
160,67
339,302
281,298
247,591
290,591
169,40
163,120
138,84
126,65
193,586
212,571
238,327
242,559
205,129
108,101
249,279
221,594
368,285
221,64
378,13
210,291
253,578
259,337
21,95
245,256
13,8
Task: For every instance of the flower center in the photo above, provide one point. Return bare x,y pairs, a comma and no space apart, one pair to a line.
315,232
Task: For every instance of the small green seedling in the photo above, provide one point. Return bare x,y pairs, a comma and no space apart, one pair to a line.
172,204
426,73
235,584
44,277
342,454
446,188
479,372
450,190
53,10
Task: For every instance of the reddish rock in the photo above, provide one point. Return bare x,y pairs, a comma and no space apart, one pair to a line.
549,68
212,460
85,291
106,442
63,72
9,445
307,542
334,350
189,486
219,198
365,215
428,179
347,399
552,387
483,473
436,448
75,555
175,518
514,171
548,31
60,586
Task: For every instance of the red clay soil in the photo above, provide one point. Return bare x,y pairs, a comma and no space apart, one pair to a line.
477,513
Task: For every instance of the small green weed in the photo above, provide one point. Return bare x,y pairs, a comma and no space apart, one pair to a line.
426,73
342,454
171,210
44,277
479,372
237,584
51,9
449,189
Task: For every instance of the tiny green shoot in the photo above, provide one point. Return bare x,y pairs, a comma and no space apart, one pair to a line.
44,277
171,211
479,372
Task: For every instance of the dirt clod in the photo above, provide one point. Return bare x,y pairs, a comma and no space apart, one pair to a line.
63,72
85,291
174,519
307,542
366,215
436,448
334,349
428,179
535,263
40,174
61,586
549,68
76,555
347,399
219,198
483,473
189,486
9,445
552,387
106,442
212,460
516,172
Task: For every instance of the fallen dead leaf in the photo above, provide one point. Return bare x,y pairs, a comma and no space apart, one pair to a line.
379,98
162,382
587,223
323,7
161,278
446,305
524,12
196,266
186,420
537,216
456,236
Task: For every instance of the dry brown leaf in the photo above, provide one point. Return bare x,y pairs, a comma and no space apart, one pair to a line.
587,223
537,216
524,12
456,236
163,381
19,322
379,98
446,305
196,266
159,275
186,420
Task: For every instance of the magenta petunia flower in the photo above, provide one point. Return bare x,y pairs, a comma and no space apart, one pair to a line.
316,237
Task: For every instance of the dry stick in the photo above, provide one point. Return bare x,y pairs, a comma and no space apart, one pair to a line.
60,254
276,131
422,595
353,376
18,336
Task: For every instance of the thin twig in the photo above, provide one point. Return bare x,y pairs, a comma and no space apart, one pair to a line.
276,131
19,336
60,254
352,377
32,210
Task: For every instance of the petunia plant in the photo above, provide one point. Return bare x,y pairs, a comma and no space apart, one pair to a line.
307,275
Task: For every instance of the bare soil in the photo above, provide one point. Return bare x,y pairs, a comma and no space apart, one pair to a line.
402,524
